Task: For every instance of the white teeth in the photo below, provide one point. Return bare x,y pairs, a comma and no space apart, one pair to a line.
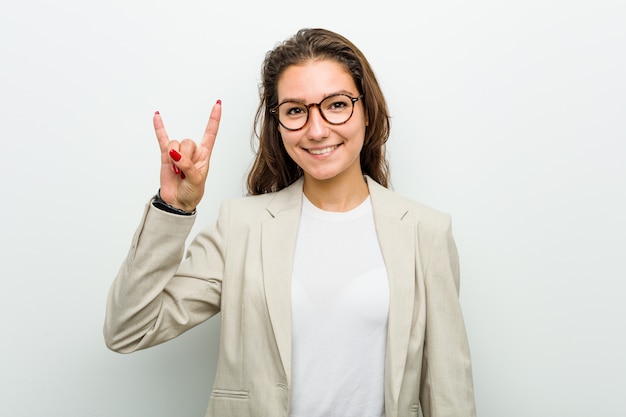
322,151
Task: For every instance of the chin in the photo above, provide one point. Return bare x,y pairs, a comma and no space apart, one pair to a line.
326,175
320,177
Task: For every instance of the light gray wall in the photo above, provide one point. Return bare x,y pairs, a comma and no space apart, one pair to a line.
509,115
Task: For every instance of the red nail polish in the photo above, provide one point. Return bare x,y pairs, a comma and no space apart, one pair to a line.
176,170
182,175
175,155
157,112
219,101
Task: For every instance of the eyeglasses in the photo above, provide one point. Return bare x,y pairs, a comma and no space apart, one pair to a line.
336,109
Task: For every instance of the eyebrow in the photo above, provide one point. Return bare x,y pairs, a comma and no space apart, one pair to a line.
303,101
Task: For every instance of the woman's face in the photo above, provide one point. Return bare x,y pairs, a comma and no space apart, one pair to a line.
322,150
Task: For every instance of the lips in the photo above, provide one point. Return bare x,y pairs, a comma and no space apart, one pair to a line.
323,151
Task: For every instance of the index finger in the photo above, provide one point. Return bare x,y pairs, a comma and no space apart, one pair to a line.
210,133
159,130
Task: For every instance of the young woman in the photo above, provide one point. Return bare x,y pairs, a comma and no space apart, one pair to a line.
337,297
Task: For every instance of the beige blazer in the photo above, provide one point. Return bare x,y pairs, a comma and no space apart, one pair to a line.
241,267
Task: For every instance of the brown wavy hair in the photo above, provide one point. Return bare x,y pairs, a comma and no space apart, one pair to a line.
273,169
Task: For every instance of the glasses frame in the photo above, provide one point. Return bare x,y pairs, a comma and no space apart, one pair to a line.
274,110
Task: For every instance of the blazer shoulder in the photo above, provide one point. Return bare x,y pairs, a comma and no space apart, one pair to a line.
389,203
429,216
264,206
246,207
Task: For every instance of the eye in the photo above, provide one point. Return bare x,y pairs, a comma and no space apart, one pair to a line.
294,110
289,109
337,104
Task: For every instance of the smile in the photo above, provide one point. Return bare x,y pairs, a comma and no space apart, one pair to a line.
323,151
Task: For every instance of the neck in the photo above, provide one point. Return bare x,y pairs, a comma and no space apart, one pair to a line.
335,194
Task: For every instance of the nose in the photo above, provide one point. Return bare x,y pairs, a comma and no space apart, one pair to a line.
317,128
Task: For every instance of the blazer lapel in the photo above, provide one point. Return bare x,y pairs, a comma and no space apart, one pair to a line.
278,246
397,242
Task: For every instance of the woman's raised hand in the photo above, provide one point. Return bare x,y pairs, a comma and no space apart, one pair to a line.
184,164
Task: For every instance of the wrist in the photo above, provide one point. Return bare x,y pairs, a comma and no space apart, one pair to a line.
158,202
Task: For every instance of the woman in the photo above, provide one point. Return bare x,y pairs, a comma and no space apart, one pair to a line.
337,297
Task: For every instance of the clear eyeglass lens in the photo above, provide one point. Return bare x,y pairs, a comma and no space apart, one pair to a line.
335,109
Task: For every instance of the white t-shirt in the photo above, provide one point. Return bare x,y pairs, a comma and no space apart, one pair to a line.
340,305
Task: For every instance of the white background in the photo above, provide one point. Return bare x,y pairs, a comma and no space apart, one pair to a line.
509,115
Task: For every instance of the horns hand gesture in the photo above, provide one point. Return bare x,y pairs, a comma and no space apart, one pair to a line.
184,164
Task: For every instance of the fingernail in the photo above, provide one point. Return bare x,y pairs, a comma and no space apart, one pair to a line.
182,175
176,170
175,155
157,112
219,101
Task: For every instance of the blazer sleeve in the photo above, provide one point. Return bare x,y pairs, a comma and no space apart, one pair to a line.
160,290
447,386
